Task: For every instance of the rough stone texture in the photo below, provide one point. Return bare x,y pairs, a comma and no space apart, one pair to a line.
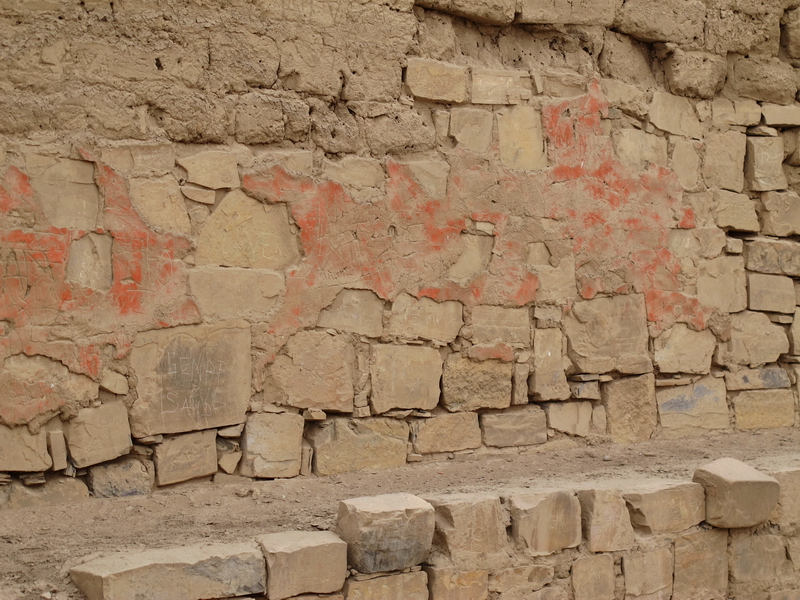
763,164
500,87
521,138
57,447
631,407
22,451
767,378
678,21
639,149
754,341
192,377
301,562
354,171
781,213
90,262
605,521
56,490
545,522
724,157
735,211
693,410
593,577
791,32
386,533
161,204
695,74
776,115
573,418
125,477
114,382
495,323
438,81
737,495
787,511
404,377
236,293
272,445
566,12
425,319
686,163
317,371
66,190
403,586
735,112
675,114
759,409
625,59
648,574
468,385
212,169
781,257
701,565
98,434
666,508
342,445
190,572
759,558
681,350
764,78
472,128
518,426
548,380
450,584
605,334
358,311
492,12
185,457
446,433
520,581
770,293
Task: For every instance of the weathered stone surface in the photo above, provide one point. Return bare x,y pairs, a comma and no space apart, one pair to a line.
472,128
354,171
605,520
548,380
317,371
695,74
767,378
518,426
199,194
403,586
787,510
520,383
469,385
639,149
584,12
781,213
140,159
470,531
212,169
737,495
56,490
573,418
98,434
263,237
686,163
359,311
545,522
701,565
776,115
631,408
724,158
735,112
593,577
735,211
404,377
493,323
272,445
668,507
771,293
431,174
66,191
759,409
125,477
434,80
754,341
190,572
449,432
625,59
114,382
693,410
681,350
500,87
626,97
234,293
520,581
473,260
342,445
426,319
758,558
185,457
763,164
781,257
450,584
648,574
678,21
160,203
300,562
57,447
605,334
386,533
191,377
493,12
675,114
521,138
790,37
585,390
89,261
764,78
22,451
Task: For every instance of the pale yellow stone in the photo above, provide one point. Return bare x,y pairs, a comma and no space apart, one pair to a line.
22,451
212,169
89,262
573,418
724,160
776,115
763,164
763,409
518,426
199,194
521,138
735,112
606,523
681,350
648,575
446,433
57,448
781,214
65,190
686,163
500,87
272,445
185,457
545,522
425,319
402,586
722,284
98,434
359,311
675,115
234,292
434,80
593,577
472,128
639,149
114,382
160,203
735,211
404,377
631,407
667,507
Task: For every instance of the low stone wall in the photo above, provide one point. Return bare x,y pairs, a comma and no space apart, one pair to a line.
731,533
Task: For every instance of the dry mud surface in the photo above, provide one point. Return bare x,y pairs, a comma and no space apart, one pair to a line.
38,545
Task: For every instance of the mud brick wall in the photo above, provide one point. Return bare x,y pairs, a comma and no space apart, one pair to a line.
310,237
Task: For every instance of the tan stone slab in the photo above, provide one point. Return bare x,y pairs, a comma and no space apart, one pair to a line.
548,380
770,293
98,434
701,565
272,445
764,78
766,378
199,194
446,433
57,448
693,410
733,211
759,558
469,385
128,476
438,81
402,586
450,584
735,112
606,523
639,149
114,382
22,451
781,257
472,128
66,191
593,577
762,409
161,204
358,311
678,21
572,418
631,408
675,115
722,284
695,74
521,138
404,377
787,511
496,323
648,575
431,174
89,263
56,490
185,457
763,164
212,169
425,319
520,581
236,293
681,350
723,163
500,87
583,12
517,426
754,341
781,214
545,522
355,171
667,507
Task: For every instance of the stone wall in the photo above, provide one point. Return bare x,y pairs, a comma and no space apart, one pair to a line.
329,235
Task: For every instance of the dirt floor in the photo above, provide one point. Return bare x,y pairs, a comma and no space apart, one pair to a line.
38,545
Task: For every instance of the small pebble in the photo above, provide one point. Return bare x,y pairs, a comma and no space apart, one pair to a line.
649,453
607,457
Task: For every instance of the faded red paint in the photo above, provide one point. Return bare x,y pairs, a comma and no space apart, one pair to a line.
500,351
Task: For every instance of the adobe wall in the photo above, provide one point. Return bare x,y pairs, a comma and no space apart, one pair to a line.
321,236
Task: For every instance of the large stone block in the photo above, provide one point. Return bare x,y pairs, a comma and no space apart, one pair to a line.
770,293
781,214
272,445
737,495
425,319
89,262
492,12
768,378
695,74
495,323
446,433
402,586
762,409
735,112
781,257
545,522
681,350
518,426
342,445
521,138
468,385
317,371
626,60
675,115
679,21
56,490
548,380
385,533
572,418
405,377
98,434
631,408
354,171
128,476
735,212
763,165
450,584
686,163
722,283
724,158
236,293
22,451
593,577
213,169
358,311
787,511
191,377
648,575
791,32
605,521
639,149
66,191
754,341
668,507
693,410
764,78
701,565
438,81
520,582
759,558
472,128
565,12
301,562
500,87
190,573
185,457
160,202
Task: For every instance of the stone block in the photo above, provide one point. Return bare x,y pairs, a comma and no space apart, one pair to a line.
693,410
675,115
451,584
473,260
648,575
556,283
472,128
438,81
548,380
754,341
272,445
160,202
449,432
402,586
723,164
317,371
781,257
593,577
89,263
771,293
667,507
22,451
737,495
385,533
631,408
500,87
781,213
57,448
56,490
763,409
470,531
695,74
681,350
114,382
202,195
425,319
545,522
722,283
735,211
66,191
758,558
639,149
236,293
520,382
343,445
790,34
432,175
98,434
521,138
468,385
185,457
767,378
701,565
354,171
678,21
404,377
301,562
735,112
125,477
776,115
686,163
495,323
357,311
787,511
605,521
764,78
572,418
189,573
212,169
627,98
520,582
518,426
492,12
191,377
763,165
565,12
626,60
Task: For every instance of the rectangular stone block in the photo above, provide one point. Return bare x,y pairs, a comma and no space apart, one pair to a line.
564,12
605,521
754,341
446,433
438,81
771,293
761,409
738,112
185,457
495,323
191,377
189,573
735,211
681,350
98,434
781,213
701,565
723,164
128,476
56,490
548,380
66,190
493,12
572,418
500,87
545,522
57,447
631,408
22,451
358,311
404,377
425,319
722,284
787,511
521,138
767,378
763,166
522,581
758,558
451,584
469,385
472,128
402,586
648,575
665,508
781,257
680,21
272,445
593,577
693,410
675,115
518,426
234,292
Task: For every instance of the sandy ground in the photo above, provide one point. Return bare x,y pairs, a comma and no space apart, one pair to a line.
38,545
